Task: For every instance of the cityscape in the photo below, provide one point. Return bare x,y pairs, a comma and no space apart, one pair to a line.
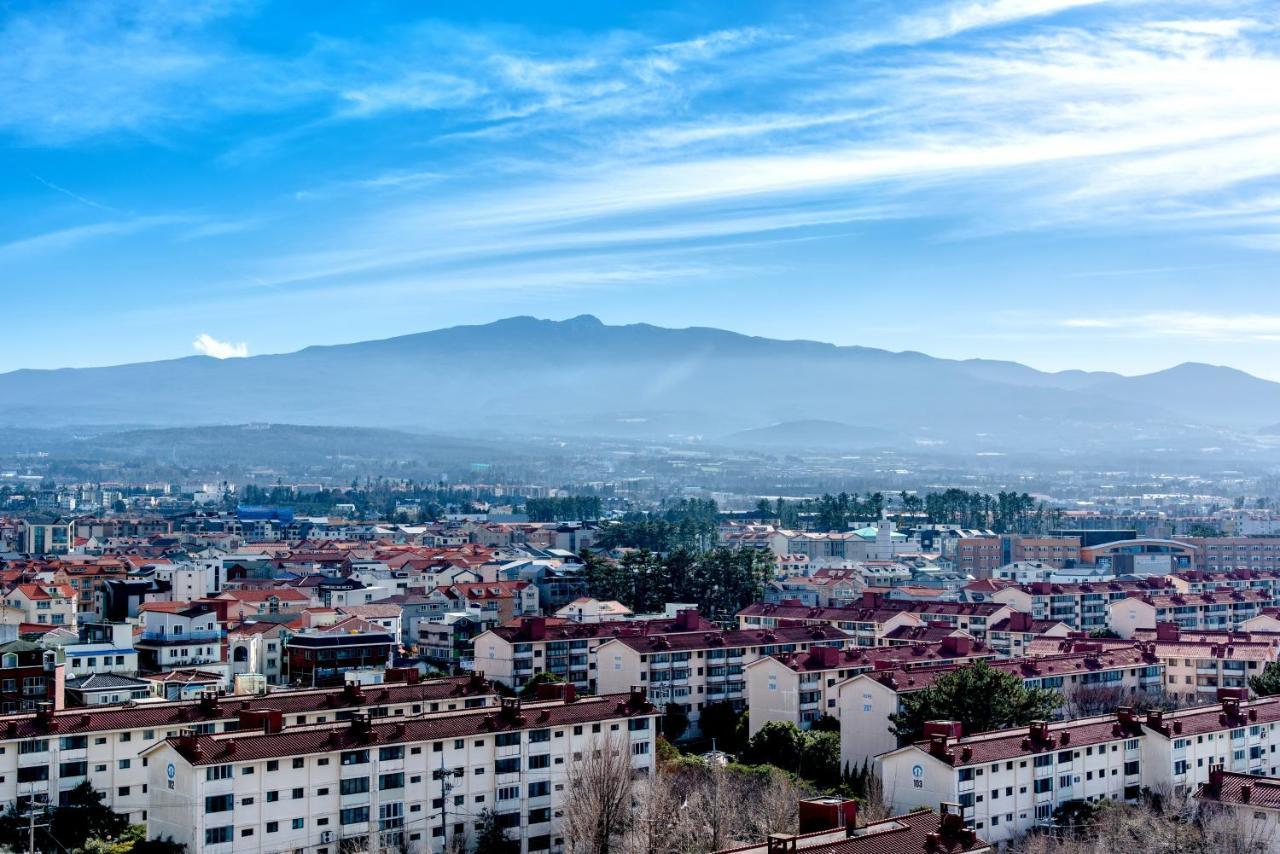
639,428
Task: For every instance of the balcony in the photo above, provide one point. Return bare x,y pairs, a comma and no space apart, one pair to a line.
188,637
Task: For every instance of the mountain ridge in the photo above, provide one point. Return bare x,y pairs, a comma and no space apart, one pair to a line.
642,380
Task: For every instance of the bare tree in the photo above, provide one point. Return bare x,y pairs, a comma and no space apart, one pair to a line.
772,805
716,809
598,810
660,821
1235,831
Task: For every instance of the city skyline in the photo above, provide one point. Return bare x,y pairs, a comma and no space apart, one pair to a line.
1064,183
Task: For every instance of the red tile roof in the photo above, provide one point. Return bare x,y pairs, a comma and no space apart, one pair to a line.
177,714
1240,790
248,747
681,641
913,833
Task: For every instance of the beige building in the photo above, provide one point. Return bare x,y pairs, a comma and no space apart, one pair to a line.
803,687
1087,681
695,669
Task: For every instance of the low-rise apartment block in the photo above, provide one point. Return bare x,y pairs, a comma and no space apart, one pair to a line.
695,669
420,782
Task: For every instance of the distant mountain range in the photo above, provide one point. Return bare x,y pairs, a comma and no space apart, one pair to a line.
524,376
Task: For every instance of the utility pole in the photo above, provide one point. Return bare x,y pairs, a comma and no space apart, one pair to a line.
31,821
446,787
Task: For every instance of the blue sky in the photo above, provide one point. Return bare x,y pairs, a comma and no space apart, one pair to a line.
1062,182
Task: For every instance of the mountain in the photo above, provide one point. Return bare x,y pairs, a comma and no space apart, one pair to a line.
524,376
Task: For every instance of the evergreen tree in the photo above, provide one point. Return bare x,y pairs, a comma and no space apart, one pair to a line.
1267,683
491,838
979,696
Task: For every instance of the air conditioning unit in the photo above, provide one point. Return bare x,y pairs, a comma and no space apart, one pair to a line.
327,836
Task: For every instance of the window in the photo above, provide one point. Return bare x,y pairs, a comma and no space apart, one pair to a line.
218,803
74,742
217,835
273,765
391,781
299,762
539,789
355,757
542,760
640,748
299,823
33,745
354,815
538,735
508,793
354,786
1044,784
539,815
507,766
298,794
506,739
218,772
273,826
386,754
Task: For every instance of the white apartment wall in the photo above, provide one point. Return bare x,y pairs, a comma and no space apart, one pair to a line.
1124,616
864,706
319,802
1000,798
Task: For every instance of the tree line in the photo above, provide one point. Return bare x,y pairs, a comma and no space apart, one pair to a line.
692,524
721,581
569,508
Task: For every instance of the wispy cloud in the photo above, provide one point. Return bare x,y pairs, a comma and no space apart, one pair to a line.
1186,324
68,238
1005,115
207,345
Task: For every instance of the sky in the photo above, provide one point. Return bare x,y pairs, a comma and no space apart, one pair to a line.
1066,183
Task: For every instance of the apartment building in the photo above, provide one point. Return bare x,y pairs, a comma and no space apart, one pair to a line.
1081,606
1211,611
179,634
802,687
52,751
1057,552
1251,802
1090,678
978,556
1200,581
419,782
1225,554
327,655
498,601
876,616
514,653
1011,780
1195,669
694,669
100,648
44,604
1013,636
